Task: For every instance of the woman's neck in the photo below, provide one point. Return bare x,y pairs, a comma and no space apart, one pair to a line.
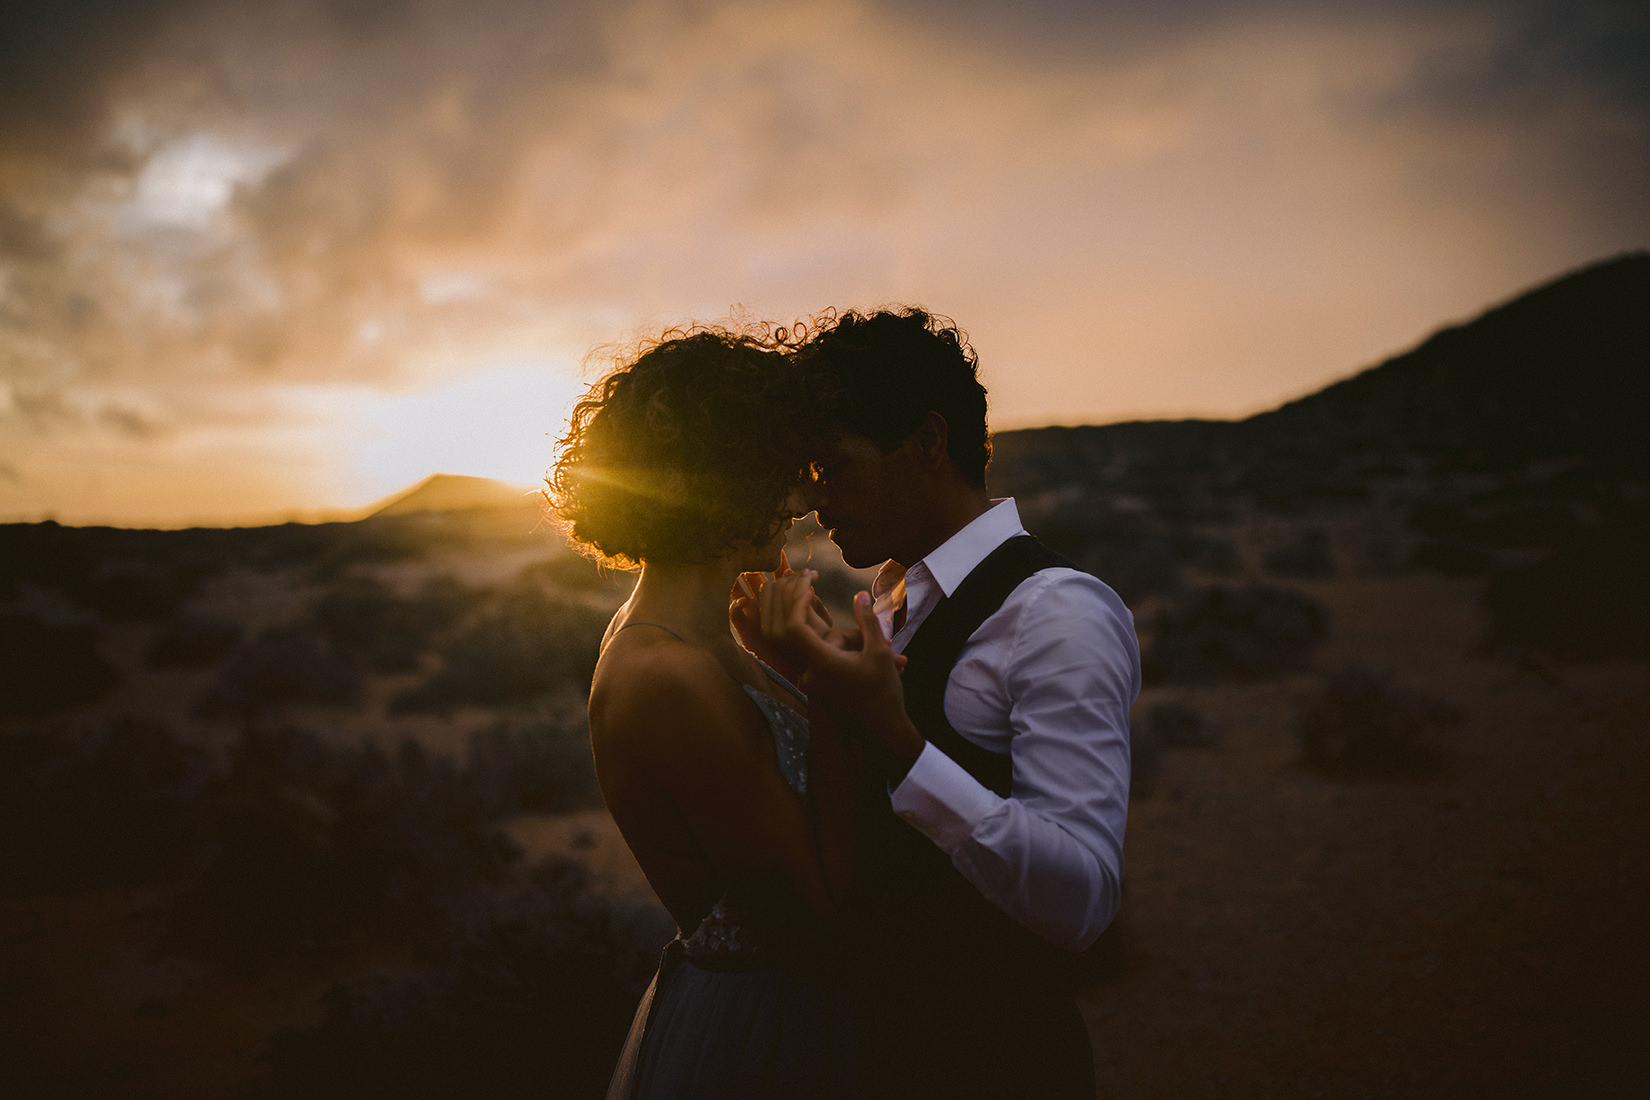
691,599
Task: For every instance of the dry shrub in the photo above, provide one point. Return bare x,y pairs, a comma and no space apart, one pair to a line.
1238,634
1360,726
192,642
382,632
526,648
85,808
285,665
1308,555
530,997
45,669
1590,601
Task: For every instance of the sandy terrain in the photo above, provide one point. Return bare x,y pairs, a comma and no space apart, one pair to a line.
1472,933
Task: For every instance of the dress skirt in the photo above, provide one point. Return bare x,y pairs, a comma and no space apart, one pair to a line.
708,1032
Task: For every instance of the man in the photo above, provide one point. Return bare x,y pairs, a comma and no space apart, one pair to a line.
1003,747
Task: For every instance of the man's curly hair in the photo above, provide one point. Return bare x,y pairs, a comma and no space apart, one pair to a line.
887,369
687,451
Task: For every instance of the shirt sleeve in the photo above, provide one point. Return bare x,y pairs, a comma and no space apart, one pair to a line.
1051,854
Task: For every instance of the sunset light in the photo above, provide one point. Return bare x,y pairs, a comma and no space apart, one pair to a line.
1245,695
263,263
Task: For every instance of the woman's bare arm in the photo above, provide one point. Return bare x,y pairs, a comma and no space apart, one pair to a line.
667,720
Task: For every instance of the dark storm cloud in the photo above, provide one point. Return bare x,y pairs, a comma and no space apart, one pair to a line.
209,207
391,125
1537,45
1537,52
57,58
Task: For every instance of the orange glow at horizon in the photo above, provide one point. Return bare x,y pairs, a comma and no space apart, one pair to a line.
261,264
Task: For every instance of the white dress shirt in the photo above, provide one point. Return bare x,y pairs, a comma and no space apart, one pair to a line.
1048,678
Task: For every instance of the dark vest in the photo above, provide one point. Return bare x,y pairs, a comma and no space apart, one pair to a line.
925,921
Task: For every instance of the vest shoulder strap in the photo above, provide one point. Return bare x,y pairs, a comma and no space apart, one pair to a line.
939,641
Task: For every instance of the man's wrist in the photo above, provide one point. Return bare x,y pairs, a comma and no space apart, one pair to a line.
901,745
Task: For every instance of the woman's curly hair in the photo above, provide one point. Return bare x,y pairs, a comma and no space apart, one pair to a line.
687,451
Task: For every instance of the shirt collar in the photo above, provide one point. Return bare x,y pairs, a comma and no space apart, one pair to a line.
957,556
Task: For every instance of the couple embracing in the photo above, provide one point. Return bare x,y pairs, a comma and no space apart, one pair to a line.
883,841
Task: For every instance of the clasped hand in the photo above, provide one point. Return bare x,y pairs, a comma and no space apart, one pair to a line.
853,672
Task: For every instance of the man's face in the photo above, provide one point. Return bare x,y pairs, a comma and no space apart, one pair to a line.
865,498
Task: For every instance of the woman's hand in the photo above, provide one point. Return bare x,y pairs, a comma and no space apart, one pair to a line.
745,613
790,621
854,674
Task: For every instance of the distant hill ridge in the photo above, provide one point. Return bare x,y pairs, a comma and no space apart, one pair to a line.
458,493
1560,372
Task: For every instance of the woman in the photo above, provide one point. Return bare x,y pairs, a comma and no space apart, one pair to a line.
687,464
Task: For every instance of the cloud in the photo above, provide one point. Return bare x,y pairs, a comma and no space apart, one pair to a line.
58,60
1196,206
43,412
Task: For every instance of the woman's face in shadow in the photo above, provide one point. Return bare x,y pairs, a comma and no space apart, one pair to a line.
769,556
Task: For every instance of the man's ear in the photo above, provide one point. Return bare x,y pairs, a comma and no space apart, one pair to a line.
931,441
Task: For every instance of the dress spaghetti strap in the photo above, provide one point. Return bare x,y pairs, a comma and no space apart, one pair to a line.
643,622
773,673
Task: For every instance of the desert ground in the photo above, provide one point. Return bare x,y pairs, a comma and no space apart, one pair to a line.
1463,921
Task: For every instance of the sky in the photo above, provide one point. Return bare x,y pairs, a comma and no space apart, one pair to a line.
281,260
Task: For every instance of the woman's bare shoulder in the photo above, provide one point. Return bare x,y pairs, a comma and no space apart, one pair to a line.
648,686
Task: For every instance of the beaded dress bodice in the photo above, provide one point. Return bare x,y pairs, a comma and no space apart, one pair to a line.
728,933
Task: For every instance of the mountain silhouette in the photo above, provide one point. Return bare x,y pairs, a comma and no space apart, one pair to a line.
1563,371
457,493
1560,373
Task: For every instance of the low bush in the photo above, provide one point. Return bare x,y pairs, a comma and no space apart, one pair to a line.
532,767
1438,516
1145,762
1176,725
383,632
191,642
1241,634
138,591
285,665
1163,726
45,669
1452,557
1126,549
314,846
570,572
1590,601
290,850
1527,523
1307,556
82,809
525,649
530,997
1208,554
1359,726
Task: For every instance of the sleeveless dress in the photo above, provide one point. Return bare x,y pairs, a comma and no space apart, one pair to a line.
741,1009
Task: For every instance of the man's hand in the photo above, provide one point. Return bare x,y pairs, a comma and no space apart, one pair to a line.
855,675
745,615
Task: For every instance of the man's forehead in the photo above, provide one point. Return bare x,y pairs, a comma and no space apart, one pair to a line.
841,439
